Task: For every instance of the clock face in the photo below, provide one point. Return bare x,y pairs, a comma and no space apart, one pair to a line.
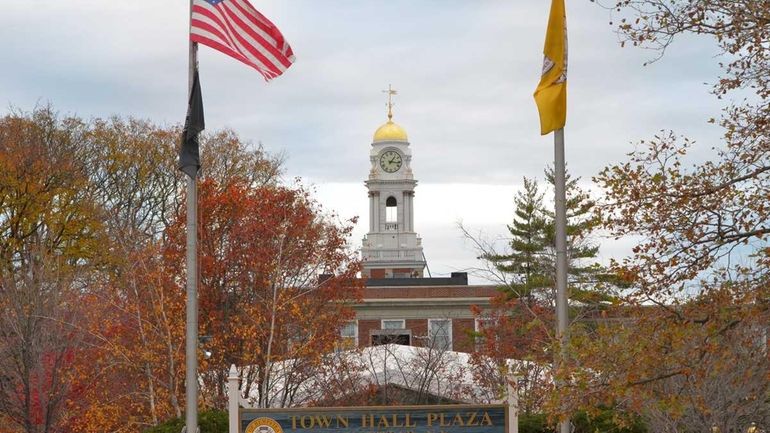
390,161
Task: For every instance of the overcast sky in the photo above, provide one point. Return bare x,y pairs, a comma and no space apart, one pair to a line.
465,71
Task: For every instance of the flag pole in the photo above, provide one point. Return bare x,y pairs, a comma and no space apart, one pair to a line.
191,341
562,317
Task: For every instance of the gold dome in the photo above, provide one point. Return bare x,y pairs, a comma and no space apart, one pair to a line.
389,132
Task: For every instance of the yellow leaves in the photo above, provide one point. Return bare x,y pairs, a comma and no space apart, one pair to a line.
44,189
103,192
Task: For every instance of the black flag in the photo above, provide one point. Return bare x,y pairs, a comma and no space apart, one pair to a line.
189,156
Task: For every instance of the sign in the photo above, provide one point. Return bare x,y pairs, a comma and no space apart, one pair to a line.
381,419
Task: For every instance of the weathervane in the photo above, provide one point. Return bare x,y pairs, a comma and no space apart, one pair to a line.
390,93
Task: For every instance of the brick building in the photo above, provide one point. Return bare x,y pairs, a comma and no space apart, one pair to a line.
419,312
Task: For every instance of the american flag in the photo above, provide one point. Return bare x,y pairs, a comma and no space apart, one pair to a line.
235,28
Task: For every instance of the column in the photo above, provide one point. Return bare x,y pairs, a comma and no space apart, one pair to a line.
371,211
512,397
411,211
233,400
404,223
376,219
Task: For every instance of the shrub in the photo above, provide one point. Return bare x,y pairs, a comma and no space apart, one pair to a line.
209,421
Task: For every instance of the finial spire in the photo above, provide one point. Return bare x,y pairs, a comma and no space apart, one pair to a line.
390,93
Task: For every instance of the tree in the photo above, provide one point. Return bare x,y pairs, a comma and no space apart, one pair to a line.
525,263
136,306
692,325
50,231
39,339
263,301
45,199
689,367
588,282
85,210
131,167
527,268
136,328
141,195
514,340
520,323
695,218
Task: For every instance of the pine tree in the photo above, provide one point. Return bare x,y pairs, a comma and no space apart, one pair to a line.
586,278
529,264
526,263
519,323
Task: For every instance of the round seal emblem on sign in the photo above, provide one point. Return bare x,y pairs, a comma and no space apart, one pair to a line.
264,425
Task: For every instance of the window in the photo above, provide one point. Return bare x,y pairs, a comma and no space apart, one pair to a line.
480,324
295,338
393,324
392,332
391,210
440,334
349,333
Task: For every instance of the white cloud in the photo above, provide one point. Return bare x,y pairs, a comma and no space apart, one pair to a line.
465,71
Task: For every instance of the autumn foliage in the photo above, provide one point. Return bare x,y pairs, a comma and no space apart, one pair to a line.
263,300
92,277
520,330
687,349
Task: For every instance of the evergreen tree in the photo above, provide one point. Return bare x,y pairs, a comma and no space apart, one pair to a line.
586,278
526,262
529,264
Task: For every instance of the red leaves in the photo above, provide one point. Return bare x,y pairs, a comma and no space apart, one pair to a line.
262,250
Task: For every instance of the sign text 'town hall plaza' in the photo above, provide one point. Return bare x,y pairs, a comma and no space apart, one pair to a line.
409,419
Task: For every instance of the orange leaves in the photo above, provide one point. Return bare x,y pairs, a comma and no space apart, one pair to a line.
85,215
693,219
517,330
692,363
262,250
689,218
136,324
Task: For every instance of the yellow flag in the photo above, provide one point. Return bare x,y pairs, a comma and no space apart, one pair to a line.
551,93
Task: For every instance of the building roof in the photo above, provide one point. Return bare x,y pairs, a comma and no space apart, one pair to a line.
429,292
456,279
440,373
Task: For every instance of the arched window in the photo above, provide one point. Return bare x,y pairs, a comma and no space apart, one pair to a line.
391,210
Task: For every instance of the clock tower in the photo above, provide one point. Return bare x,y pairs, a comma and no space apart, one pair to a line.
391,249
